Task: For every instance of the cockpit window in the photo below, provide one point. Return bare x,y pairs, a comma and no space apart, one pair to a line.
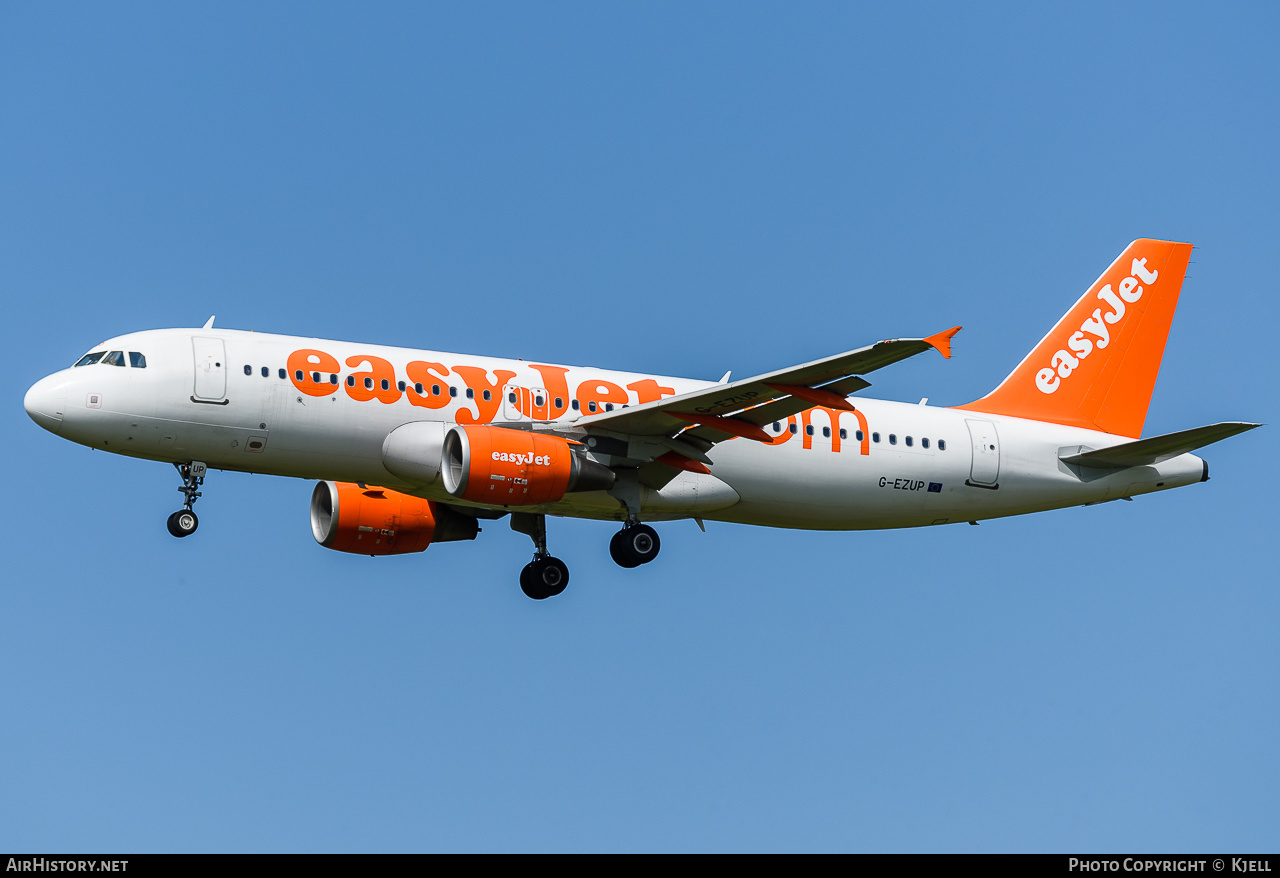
137,360
90,359
115,358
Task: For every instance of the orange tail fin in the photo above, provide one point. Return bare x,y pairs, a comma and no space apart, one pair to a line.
1098,366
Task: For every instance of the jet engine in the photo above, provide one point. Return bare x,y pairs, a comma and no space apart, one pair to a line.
504,467
379,521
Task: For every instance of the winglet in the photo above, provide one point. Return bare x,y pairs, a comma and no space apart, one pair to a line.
942,341
208,324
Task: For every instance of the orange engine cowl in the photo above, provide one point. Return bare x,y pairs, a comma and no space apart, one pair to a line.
498,466
370,521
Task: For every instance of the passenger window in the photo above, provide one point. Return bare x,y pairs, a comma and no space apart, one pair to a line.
137,361
487,396
282,374
608,406
559,403
435,389
90,359
858,435
266,373
333,379
297,375
471,394
591,406
875,437
417,388
386,385
924,442
808,429
315,377
893,438
453,391
908,441
368,384
115,358
537,400
248,370
511,397
575,405
793,428
942,444
777,426
351,381
844,434
826,431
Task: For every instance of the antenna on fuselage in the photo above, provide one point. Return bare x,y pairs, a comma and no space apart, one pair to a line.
208,324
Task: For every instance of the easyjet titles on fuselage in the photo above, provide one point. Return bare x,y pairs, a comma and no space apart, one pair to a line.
317,373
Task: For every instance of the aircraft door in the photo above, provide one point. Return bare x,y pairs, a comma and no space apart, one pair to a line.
211,369
985,442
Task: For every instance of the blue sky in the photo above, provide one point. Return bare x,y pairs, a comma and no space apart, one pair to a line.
671,188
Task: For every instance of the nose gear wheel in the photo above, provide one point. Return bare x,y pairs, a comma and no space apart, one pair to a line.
183,523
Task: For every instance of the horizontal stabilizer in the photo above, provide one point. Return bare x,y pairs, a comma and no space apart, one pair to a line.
1158,448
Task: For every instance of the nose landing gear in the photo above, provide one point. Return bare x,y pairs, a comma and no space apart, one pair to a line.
634,545
183,523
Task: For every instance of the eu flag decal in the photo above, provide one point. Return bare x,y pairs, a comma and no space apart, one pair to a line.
935,487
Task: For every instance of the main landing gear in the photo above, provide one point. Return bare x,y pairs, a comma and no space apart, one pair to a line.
183,523
544,576
634,545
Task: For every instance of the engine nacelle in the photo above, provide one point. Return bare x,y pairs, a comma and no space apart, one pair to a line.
379,521
412,451
504,467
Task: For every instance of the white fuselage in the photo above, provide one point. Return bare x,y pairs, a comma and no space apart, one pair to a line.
233,400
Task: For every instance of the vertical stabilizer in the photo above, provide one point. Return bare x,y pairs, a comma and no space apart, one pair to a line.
1097,367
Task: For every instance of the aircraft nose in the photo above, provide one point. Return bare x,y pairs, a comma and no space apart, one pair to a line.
45,402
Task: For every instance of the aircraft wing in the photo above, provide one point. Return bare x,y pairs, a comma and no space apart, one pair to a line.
740,408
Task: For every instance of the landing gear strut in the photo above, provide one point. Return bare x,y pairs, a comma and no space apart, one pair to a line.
634,545
544,576
183,523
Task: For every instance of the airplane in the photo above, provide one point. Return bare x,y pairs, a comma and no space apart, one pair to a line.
413,447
